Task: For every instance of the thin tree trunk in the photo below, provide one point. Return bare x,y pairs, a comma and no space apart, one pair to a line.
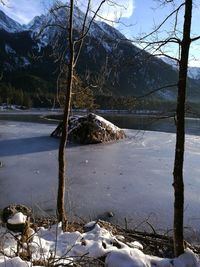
61,214
180,134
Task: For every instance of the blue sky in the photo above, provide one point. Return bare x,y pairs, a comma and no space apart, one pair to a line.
137,16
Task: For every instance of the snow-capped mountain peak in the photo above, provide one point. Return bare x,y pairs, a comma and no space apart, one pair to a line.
35,23
55,22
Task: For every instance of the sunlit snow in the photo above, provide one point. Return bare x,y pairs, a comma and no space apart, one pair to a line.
17,218
56,246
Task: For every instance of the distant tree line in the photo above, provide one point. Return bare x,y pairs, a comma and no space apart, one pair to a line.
9,95
83,98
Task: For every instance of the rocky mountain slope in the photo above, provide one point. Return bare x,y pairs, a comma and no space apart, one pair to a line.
9,24
193,72
110,64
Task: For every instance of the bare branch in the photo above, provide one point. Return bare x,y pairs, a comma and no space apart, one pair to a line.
50,25
167,40
57,23
91,21
82,33
105,19
112,3
158,48
156,90
170,57
195,38
57,7
163,22
176,21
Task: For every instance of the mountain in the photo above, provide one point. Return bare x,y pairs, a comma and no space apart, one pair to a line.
127,70
8,24
193,72
110,65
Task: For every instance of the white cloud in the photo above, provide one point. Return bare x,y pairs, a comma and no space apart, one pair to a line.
118,9
111,10
194,63
24,10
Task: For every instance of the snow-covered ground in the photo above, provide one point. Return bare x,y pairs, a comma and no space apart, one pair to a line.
54,247
131,178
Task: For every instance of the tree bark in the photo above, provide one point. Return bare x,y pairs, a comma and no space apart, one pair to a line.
61,214
180,133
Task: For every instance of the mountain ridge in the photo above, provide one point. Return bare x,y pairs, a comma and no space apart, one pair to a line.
108,60
8,24
193,72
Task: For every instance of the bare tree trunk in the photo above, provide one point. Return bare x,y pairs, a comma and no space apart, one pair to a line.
180,133
61,214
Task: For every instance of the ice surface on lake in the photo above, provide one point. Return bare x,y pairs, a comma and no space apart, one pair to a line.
131,178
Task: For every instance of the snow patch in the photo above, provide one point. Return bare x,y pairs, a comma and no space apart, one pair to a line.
25,61
9,49
67,247
108,123
127,258
13,262
17,218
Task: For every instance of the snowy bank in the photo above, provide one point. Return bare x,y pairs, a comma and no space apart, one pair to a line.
58,248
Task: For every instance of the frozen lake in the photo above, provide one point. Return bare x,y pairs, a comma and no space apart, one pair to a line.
132,178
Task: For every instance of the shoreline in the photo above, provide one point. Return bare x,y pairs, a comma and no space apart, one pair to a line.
124,121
